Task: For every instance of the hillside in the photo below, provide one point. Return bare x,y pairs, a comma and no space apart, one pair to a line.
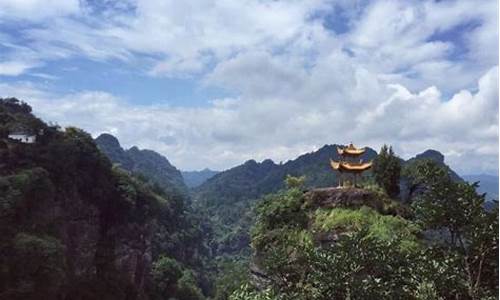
228,197
74,227
149,163
252,179
436,157
352,243
196,178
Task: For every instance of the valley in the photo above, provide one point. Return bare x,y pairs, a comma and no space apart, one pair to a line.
84,218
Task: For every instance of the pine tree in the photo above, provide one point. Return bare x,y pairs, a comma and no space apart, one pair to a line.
387,170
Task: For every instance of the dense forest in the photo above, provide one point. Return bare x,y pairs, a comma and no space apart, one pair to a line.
87,219
73,226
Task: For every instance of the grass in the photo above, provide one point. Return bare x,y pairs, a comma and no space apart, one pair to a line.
384,227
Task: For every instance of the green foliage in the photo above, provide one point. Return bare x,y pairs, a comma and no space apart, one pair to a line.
187,287
234,273
149,166
246,292
295,182
228,197
386,170
171,280
277,211
361,266
70,222
166,272
472,232
36,267
67,216
346,253
381,227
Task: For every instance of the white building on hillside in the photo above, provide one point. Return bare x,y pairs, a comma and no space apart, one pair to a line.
23,137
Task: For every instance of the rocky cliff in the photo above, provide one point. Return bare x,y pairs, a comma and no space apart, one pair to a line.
71,226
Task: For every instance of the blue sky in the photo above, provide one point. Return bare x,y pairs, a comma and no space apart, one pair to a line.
214,83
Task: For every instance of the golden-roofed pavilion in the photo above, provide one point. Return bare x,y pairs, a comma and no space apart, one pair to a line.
350,163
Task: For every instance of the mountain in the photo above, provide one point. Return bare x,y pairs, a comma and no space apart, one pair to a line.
252,179
437,157
148,163
487,184
227,198
73,226
196,178
354,243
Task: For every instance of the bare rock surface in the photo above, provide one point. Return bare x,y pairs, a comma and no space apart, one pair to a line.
350,197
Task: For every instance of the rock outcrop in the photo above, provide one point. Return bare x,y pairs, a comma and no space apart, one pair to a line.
323,199
333,197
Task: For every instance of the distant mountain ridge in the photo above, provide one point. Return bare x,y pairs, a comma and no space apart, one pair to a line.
228,196
252,179
487,184
196,178
146,162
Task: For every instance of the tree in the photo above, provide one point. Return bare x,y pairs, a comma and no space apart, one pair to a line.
295,182
387,170
471,237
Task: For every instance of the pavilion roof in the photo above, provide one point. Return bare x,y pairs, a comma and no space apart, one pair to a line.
350,150
349,166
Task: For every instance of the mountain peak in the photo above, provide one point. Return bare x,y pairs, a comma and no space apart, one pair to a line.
108,139
146,162
432,155
250,162
268,162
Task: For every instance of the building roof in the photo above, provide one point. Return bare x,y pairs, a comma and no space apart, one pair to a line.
349,166
350,150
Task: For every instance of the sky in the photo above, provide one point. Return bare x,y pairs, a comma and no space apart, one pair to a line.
214,83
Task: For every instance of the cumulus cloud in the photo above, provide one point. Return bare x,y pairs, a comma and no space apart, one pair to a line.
415,74
14,68
230,131
190,37
35,10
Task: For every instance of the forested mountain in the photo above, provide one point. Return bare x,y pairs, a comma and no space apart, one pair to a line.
72,226
487,184
353,243
252,179
196,178
229,196
75,226
148,163
436,157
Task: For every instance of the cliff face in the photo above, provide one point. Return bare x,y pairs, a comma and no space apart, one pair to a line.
105,253
71,226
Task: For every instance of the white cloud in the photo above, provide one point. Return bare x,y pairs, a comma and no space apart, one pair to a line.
416,74
232,130
34,10
182,38
14,68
